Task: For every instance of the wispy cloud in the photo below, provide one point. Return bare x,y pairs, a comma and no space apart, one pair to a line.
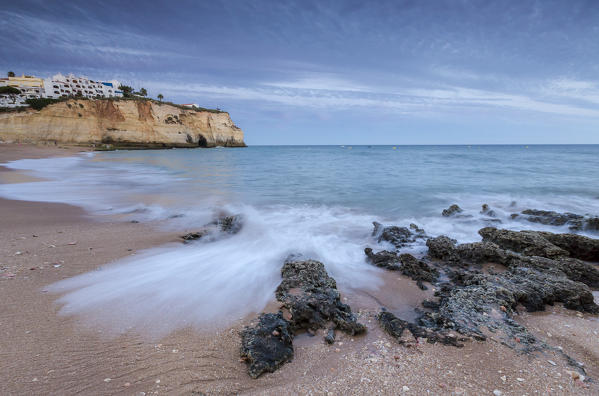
340,95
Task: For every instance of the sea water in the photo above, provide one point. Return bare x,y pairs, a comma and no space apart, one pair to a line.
317,201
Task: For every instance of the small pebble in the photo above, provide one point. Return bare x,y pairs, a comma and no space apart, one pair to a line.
520,379
497,392
107,380
551,362
405,388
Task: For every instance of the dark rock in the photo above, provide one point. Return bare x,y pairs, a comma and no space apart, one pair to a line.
416,269
419,231
384,259
445,249
488,211
397,236
407,264
268,345
578,246
330,337
191,236
554,218
224,224
452,210
230,224
488,301
530,243
312,298
395,327
592,224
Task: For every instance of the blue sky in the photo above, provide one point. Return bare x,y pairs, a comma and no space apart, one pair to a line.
336,72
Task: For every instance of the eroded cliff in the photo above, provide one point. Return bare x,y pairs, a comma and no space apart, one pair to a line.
120,123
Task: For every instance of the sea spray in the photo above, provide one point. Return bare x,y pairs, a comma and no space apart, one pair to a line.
206,283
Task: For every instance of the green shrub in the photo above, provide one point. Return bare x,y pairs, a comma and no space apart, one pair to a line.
6,90
40,103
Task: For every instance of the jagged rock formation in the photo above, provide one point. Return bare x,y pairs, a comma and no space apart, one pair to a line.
538,274
312,301
397,236
540,268
575,222
266,346
120,124
312,298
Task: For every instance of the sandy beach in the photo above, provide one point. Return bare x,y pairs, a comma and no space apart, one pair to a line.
43,352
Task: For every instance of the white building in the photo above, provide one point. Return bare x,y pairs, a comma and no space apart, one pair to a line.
71,85
59,86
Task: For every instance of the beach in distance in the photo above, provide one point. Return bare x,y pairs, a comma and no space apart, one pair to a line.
125,272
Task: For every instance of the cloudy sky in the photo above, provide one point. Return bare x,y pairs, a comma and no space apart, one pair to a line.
336,72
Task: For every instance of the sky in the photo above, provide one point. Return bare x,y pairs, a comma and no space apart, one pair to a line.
335,72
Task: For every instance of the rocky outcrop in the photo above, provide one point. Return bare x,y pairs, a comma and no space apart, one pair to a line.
575,222
407,264
120,124
311,301
397,236
267,345
312,298
451,211
544,244
540,269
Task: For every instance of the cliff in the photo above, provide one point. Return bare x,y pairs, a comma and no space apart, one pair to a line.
120,123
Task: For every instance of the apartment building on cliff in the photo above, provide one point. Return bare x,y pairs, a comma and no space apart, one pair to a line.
71,85
56,87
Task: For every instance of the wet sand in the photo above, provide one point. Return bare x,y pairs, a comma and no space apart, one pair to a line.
42,352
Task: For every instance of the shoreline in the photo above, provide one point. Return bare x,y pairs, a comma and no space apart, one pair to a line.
46,353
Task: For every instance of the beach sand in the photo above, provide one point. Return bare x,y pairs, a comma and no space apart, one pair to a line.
43,352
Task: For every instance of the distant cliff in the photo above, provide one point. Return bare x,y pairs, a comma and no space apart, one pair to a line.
110,123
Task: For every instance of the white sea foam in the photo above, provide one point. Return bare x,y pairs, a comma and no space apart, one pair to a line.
202,284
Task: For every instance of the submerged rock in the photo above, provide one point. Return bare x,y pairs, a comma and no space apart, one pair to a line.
550,217
486,210
230,224
397,236
452,210
312,298
574,221
192,236
267,345
224,224
384,259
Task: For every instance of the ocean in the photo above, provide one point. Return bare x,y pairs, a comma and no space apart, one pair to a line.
316,201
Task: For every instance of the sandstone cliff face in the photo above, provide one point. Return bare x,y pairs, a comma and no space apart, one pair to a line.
124,123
